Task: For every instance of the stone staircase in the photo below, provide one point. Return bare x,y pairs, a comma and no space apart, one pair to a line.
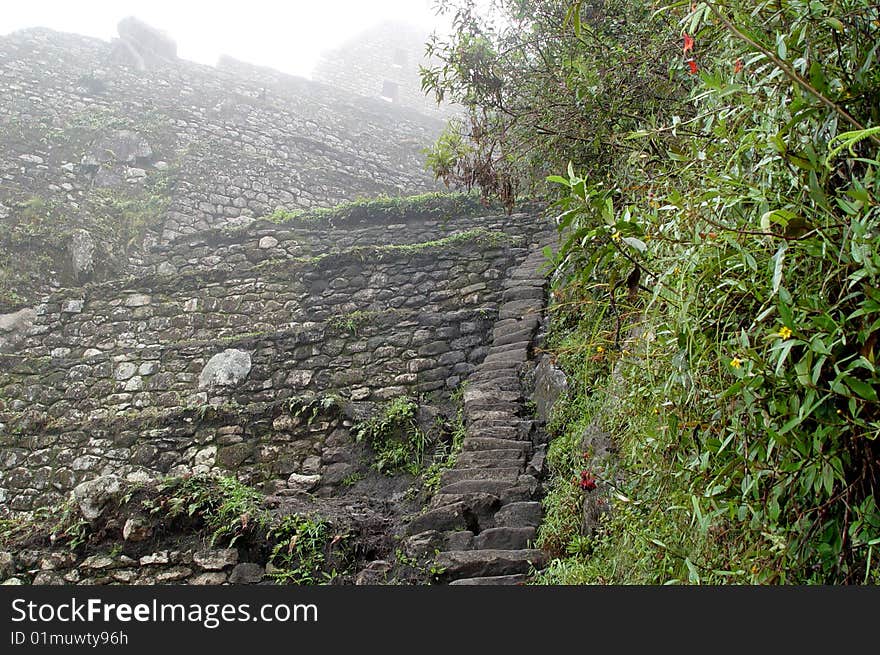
488,505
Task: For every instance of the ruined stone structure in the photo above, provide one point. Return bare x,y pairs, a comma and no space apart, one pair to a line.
251,347
383,63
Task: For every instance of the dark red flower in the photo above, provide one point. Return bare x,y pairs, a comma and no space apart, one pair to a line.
692,66
588,482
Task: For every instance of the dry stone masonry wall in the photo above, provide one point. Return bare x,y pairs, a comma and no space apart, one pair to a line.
365,325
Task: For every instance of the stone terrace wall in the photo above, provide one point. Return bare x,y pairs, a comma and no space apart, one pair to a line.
232,148
264,240
364,325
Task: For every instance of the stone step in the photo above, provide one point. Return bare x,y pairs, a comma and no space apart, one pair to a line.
452,476
515,579
492,415
478,395
500,488
500,365
523,293
523,514
524,424
497,432
507,324
520,312
483,563
528,270
493,443
513,283
452,517
504,380
502,383
525,489
508,347
505,538
523,336
513,356
488,405
482,505
503,456
513,461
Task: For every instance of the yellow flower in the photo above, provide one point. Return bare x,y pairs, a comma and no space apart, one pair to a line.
600,349
616,235
784,332
736,362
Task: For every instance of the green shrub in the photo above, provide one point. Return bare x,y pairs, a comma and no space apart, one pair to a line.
734,202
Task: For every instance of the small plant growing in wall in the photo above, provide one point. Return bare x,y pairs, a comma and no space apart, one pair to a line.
229,508
308,409
394,435
352,321
447,452
302,549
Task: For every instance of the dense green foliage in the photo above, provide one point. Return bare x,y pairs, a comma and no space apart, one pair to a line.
721,207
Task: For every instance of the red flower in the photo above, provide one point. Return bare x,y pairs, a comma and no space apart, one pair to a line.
587,482
688,43
692,66
737,65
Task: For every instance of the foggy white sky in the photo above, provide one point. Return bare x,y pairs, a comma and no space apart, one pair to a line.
285,34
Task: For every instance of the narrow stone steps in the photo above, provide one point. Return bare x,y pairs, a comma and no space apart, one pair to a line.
498,460
497,382
486,404
515,461
473,397
488,414
509,347
517,422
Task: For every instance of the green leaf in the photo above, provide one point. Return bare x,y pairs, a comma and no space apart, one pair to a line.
637,244
558,179
779,216
862,388
783,355
778,260
828,478
835,24
817,77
